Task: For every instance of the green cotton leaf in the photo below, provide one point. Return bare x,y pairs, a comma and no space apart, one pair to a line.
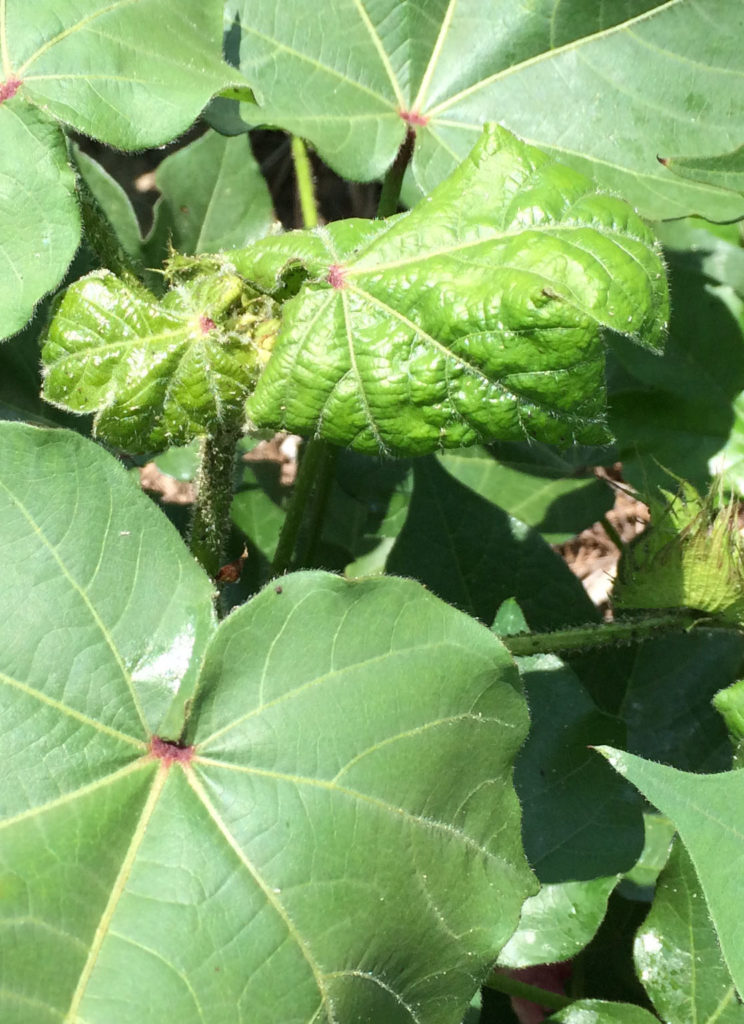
155,373
38,211
708,812
113,201
677,955
580,821
91,628
596,1011
556,493
557,922
473,555
725,171
677,412
476,316
603,87
105,69
292,859
213,197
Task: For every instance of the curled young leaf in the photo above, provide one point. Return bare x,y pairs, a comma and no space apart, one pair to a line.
477,316
156,373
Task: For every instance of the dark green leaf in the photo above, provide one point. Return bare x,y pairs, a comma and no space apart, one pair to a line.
536,484
677,955
213,197
579,823
605,87
674,412
476,316
708,811
475,556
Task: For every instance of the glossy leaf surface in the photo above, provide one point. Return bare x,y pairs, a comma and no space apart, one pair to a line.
708,811
677,955
605,87
105,69
155,373
596,1011
557,922
676,412
476,316
258,876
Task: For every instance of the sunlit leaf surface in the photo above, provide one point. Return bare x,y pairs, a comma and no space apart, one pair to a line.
476,316
347,754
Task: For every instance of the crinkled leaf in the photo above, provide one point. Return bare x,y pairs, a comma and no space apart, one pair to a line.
296,865
708,811
677,955
674,411
105,69
38,211
155,373
557,922
605,87
213,197
476,316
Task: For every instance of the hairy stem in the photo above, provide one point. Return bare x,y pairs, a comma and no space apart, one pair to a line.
101,237
393,181
521,990
214,491
304,179
601,634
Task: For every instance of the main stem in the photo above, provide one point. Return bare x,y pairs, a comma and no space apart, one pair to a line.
589,637
317,463
214,491
304,179
102,239
393,181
